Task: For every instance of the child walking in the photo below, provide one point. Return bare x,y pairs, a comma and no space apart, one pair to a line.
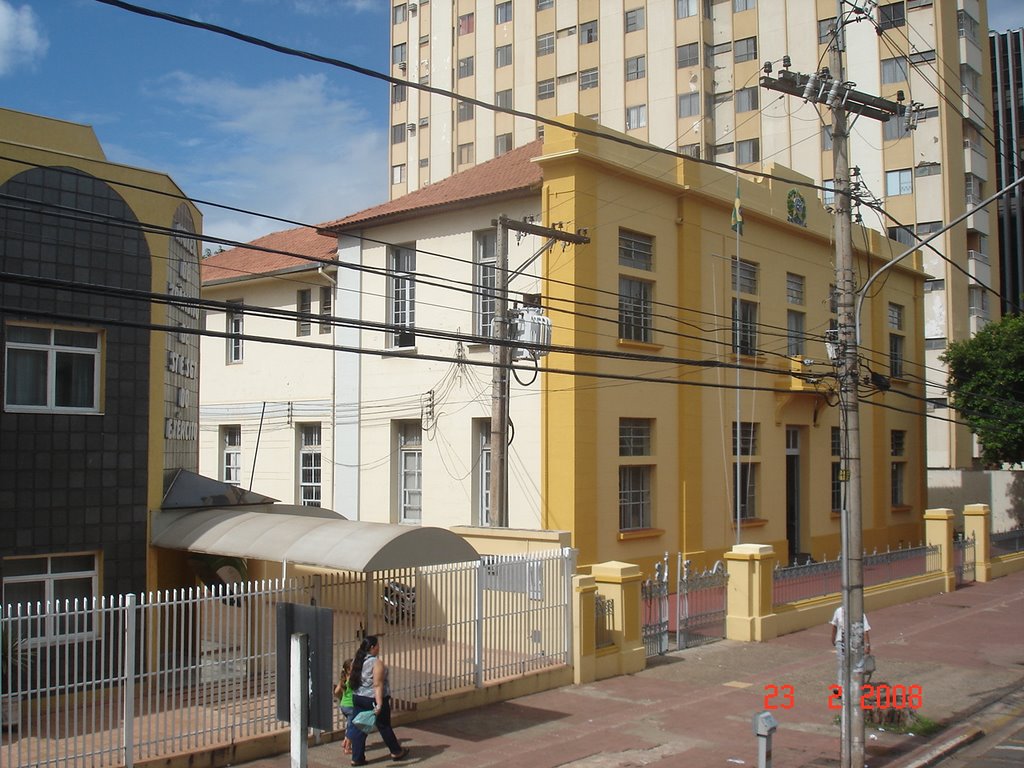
343,693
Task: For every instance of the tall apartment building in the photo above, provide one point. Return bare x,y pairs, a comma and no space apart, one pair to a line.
1007,50
684,74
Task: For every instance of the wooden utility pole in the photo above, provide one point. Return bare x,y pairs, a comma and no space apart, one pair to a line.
829,87
503,331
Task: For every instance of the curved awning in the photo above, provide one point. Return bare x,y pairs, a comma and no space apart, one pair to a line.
309,536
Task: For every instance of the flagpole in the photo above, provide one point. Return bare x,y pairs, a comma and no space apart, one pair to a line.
737,227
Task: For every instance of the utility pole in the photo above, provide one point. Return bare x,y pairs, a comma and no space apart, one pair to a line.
828,86
503,331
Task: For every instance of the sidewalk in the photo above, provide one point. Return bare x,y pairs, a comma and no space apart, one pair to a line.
693,708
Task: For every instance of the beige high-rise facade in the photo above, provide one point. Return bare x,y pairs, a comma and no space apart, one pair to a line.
684,75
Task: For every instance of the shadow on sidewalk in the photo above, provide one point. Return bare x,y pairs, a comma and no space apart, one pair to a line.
489,722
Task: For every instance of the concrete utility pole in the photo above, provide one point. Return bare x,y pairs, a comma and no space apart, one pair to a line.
502,331
829,87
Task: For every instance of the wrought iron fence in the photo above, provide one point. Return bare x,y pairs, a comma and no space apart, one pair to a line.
700,604
964,560
654,592
115,680
802,582
1007,542
604,620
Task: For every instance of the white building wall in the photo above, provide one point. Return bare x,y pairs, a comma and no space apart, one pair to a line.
442,395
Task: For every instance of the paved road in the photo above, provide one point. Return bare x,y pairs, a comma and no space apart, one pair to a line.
1003,744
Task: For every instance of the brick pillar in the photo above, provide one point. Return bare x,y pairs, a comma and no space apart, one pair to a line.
938,529
584,630
978,523
749,613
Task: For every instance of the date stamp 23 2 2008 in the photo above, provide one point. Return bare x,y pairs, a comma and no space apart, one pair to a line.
880,696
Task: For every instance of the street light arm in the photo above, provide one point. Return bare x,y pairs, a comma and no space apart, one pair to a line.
863,292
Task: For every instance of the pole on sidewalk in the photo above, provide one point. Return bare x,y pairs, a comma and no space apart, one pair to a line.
299,696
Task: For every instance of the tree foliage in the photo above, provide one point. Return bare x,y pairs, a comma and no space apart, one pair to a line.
986,382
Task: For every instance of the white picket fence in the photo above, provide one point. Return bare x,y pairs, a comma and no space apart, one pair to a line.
117,680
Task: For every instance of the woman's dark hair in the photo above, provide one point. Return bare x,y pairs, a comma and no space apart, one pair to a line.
355,678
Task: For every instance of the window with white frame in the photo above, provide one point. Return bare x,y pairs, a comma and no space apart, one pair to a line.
398,173
837,469
399,53
795,288
399,13
897,451
546,89
743,5
467,23
466,153
967,26
891,15
689,104
970,80
635,309
894,129
686,8
588,78
635,437
745,49
464,111
748,151
899,182
52,369
636,117
503,12
231,454
545,44
747,99
485,280
410,472
588,32
828,194
503,56
636,249
57,580
795,333
303,305
974,189
402,294
503,98
398,132
482,470
636,68
635,20
744,327
465,67
894,70
744,481
634,497
688,55
310,469
399,93
235,320
326,308
896,341
502,144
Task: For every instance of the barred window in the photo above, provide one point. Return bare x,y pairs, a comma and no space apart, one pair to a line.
634,437
635,249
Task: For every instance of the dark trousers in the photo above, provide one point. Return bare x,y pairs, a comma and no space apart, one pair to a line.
387,733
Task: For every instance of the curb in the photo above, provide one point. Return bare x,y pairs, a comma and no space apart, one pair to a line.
930,755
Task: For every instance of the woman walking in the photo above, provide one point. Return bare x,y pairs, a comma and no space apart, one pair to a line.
371,690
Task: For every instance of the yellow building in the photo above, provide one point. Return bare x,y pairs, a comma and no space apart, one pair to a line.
684,75
638,418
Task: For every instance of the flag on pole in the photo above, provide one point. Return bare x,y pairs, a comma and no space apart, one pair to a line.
737,212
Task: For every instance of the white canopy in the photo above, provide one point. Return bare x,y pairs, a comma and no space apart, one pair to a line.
309,536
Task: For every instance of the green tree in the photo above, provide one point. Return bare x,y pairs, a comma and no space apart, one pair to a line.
986,383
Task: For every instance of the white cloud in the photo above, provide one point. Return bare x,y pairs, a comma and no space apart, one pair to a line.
291,148
21,39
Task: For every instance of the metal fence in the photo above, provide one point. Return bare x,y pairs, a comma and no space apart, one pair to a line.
1007,542
113,681
654,592
964,561
802,582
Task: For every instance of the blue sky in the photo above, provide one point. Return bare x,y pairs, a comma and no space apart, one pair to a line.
230,122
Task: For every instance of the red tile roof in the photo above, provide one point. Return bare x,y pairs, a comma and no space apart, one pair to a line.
247,261
508,174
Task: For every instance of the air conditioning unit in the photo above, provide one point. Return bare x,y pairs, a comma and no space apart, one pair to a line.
411,127
402,65
413,7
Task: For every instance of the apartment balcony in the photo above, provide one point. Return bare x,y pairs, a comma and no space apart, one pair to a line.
978,320
973,106
978,221
975,159
979,268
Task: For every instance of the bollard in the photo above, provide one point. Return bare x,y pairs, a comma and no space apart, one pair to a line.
764,727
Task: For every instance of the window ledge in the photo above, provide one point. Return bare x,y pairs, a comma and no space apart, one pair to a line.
750,522
902,509
645,345
641,533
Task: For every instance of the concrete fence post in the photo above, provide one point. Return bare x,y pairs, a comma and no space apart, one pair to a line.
938,529
584,614
622,582
978,524
749,614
